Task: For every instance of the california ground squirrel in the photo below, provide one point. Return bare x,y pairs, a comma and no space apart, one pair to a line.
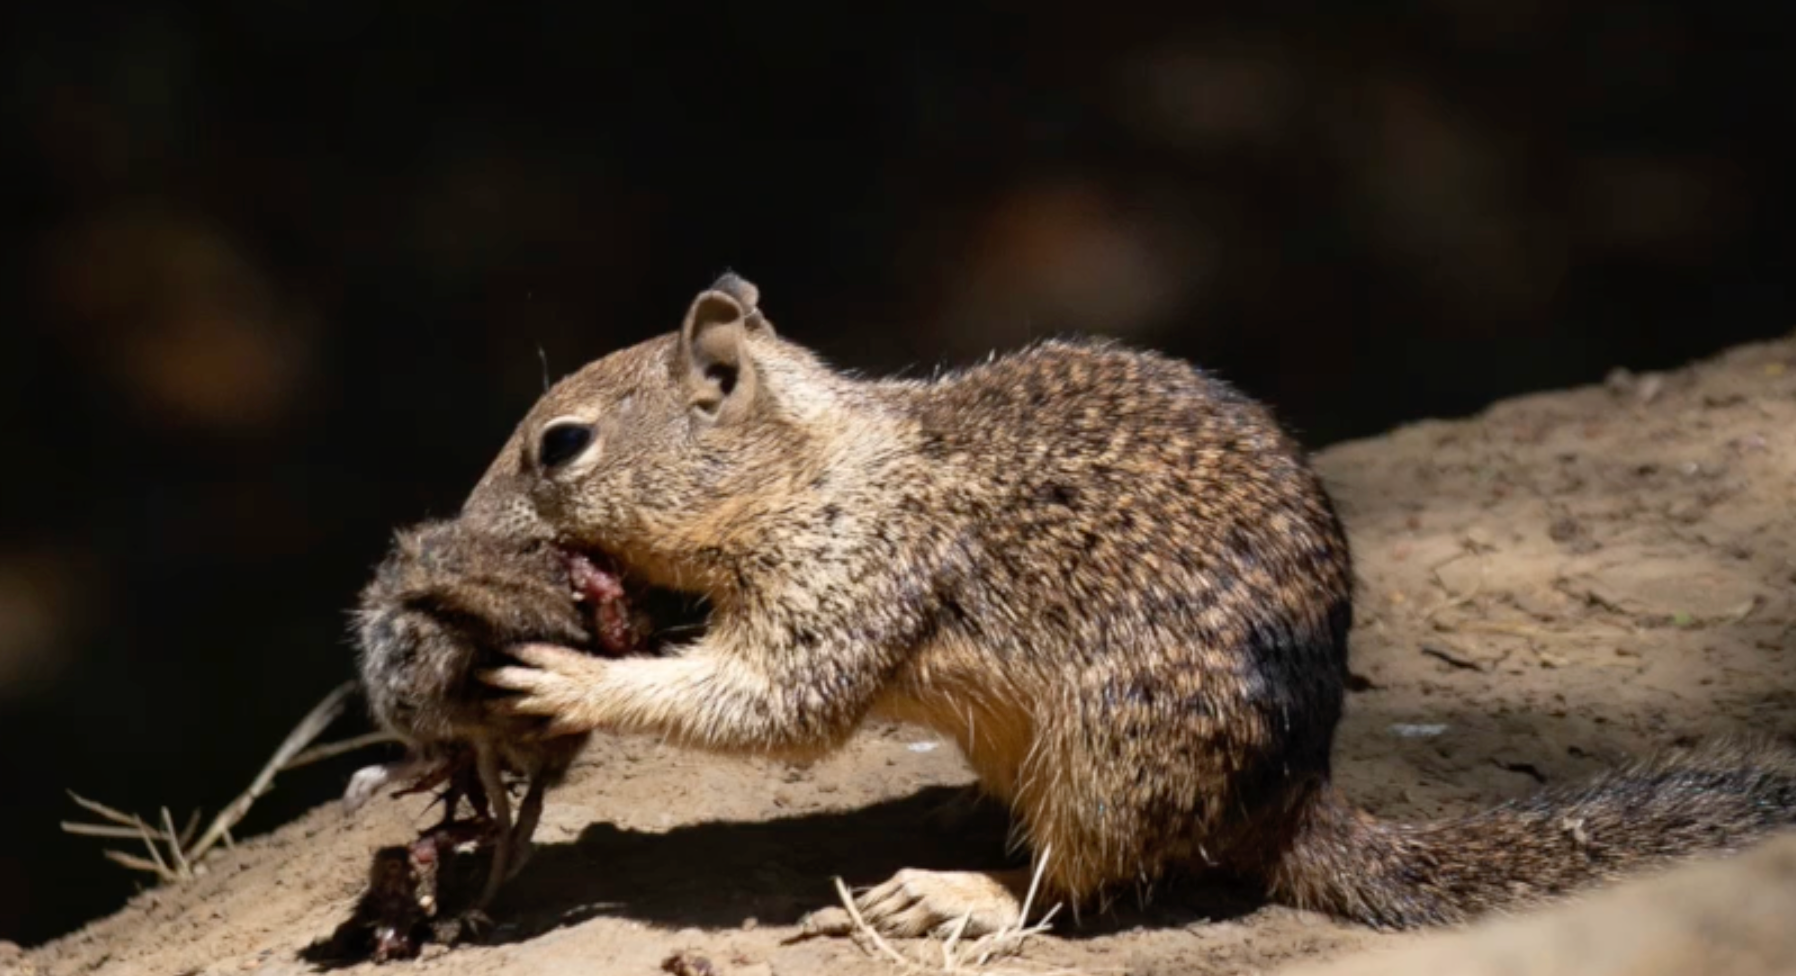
1112,580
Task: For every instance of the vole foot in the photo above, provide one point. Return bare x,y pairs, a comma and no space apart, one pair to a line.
916,902
370,779
530,813
419,774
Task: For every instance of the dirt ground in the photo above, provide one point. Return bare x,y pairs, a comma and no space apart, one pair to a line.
1563,580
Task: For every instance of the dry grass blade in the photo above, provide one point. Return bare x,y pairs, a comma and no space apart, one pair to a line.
140,864
331,750
1010,941
308,729
174,844
149,841
193,824
183,850
960,929
100,830
975,957
861,927
94,806
124,826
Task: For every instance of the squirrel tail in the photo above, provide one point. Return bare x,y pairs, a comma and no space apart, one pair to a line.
1716,798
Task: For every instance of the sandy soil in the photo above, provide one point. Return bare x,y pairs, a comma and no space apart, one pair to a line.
1563,580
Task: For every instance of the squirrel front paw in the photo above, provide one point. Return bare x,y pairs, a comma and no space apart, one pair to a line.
554,684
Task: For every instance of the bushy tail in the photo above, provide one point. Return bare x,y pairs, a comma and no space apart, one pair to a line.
1717,798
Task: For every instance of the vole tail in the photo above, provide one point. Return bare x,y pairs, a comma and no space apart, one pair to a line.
1716,798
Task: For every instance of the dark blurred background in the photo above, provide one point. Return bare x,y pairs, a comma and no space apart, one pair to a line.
280,274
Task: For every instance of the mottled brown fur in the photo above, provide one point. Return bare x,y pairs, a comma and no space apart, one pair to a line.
1110,578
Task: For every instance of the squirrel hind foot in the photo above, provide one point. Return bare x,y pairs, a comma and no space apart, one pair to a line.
915,902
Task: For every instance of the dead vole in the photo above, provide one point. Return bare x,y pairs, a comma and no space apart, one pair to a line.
440,606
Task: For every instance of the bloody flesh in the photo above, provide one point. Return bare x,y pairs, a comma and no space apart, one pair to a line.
601,588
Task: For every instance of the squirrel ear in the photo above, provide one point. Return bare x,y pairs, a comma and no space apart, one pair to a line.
747,296
713,364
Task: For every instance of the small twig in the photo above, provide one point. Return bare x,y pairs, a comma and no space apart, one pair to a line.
861,926
149,841
193,824
183,851
331,750
140,864
174,845
123,826
1013,938
1451,658
949,962
94,806
1041,865
1007,940
1004,942
309,728
100,830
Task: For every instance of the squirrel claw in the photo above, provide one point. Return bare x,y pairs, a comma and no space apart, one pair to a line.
822,922
916,902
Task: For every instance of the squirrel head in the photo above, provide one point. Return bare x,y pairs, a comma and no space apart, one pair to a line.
671,456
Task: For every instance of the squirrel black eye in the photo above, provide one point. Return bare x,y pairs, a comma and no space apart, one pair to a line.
561,443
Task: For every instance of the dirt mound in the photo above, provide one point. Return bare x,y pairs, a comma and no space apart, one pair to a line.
1564,580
